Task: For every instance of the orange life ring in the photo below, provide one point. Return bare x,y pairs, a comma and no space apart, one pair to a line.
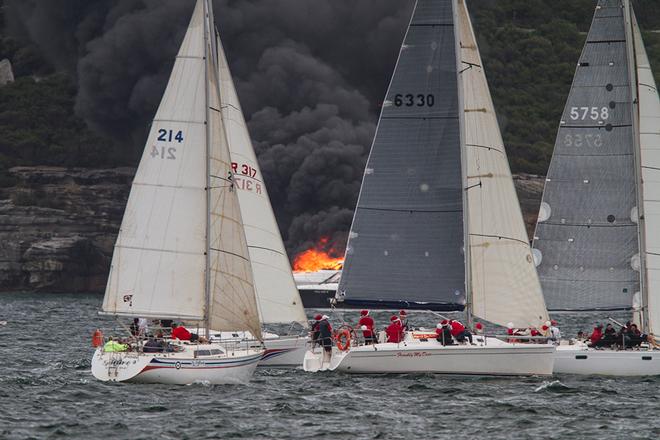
97,338
343,340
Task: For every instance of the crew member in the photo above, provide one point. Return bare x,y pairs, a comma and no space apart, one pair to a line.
555,334
443,330
609,336
315,330
181,333
325,337
366,323
596,336
394,331
403,316
114,346
459,331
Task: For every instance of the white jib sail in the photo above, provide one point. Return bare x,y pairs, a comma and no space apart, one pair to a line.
649,127
505,285
158,262
277,294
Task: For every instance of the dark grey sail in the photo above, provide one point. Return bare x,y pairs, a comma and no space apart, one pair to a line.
586,236
406,241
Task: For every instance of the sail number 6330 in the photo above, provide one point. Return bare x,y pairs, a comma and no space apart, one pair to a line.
593,113
410,100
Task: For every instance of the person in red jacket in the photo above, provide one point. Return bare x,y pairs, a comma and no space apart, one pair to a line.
181,333
394,331
315,330
366,323
459,332
596,336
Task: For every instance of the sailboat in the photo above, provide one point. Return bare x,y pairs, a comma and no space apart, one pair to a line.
597,239
181,253
278,299
438,226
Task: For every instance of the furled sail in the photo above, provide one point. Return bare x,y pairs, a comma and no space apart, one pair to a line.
649,138
586,240
504,284
159,266
405,247
277,294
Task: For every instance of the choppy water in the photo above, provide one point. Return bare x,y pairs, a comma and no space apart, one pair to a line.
47,391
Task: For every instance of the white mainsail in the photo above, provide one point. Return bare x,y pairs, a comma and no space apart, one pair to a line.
649,137
171,222
277,294
504,284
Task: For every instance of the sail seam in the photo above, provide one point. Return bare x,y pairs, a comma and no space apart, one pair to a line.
420,117
137,248
267,249
156,185
180,121
408,210
431,24
485,147
592,225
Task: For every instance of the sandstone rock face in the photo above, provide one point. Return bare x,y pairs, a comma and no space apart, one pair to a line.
58,227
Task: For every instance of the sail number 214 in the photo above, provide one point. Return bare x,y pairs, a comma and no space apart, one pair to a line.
163,152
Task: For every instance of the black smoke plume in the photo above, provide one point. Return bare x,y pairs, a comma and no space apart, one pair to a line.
310,75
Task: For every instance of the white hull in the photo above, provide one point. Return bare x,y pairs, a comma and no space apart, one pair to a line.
281,351
493,358
580,359
177,368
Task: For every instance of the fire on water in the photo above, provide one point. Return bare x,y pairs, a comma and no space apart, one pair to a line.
320,257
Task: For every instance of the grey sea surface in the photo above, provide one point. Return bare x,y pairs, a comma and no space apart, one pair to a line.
47,391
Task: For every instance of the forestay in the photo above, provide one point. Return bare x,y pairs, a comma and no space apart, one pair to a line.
277,295
504,287
406,240
586,238
649,128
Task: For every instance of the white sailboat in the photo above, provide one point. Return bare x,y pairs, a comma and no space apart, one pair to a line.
277,295
437,182
181,252
597,240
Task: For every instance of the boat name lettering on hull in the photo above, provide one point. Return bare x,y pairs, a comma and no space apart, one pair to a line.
413,354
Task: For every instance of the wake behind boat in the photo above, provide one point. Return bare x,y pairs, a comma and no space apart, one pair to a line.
181,253
597,240
438,224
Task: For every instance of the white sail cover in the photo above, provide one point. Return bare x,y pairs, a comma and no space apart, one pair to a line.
649,128
277,295
504,284
159,263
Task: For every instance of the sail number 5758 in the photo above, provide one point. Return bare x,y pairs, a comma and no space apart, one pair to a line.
593,113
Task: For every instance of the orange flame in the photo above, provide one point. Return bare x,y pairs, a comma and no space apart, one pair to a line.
318,258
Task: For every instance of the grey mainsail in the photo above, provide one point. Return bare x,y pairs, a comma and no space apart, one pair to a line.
586,239
405,248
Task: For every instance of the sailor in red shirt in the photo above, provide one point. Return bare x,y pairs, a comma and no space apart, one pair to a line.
182,334
459,332
315,330
394,331
596,336
366,323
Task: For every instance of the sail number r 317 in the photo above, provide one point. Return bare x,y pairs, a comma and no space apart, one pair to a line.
593,113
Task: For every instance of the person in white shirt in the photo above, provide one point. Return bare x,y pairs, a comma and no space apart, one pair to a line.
555,334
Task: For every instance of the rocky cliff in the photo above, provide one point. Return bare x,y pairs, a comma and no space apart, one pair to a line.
58,226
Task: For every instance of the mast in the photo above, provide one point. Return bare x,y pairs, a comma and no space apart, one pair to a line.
207,251
634,96
464,184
